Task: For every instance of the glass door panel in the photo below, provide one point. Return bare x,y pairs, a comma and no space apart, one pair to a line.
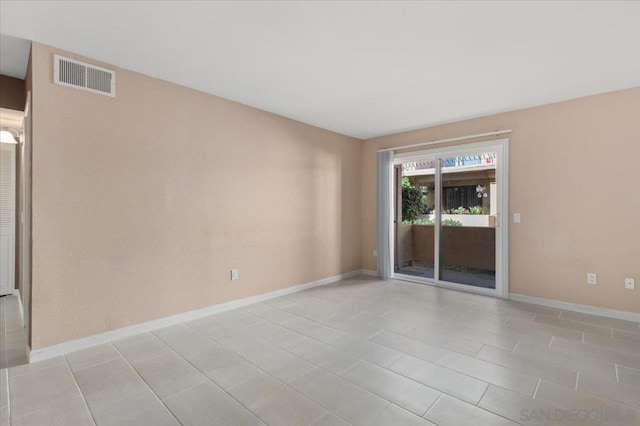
468,197
414,218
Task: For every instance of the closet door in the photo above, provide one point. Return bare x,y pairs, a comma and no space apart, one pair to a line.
7,217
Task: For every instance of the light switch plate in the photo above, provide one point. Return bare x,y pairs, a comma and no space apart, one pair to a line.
629,283
517,218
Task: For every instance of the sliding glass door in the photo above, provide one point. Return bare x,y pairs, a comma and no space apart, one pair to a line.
449,228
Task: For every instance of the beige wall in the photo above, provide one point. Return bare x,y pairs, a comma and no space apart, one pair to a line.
574,176
143,203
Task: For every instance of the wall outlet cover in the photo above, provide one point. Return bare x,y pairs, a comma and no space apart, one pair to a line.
629,283
234,274
592,278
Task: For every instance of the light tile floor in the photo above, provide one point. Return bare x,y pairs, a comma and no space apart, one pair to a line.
13,338
362,351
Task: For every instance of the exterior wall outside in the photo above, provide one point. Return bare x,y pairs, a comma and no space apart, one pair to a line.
143,203
472,247
484,177
573,168
404,244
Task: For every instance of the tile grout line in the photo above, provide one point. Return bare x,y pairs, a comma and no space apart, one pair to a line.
449,369
299,317
92,365
6,372
257,367
382,396
205,375
86,405
315,366
535,391
322,368
433,405
147,384
483,394
289,387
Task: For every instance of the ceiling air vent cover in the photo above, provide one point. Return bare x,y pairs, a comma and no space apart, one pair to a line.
72,73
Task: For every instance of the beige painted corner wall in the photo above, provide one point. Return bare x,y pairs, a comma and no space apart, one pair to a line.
143,203
574,176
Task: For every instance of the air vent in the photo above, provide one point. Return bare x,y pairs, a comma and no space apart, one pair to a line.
72,73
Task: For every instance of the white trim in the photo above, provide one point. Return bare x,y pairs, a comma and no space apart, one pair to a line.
437,230
575,307
370,272
502,219
108,336
459,138
16,292
27,106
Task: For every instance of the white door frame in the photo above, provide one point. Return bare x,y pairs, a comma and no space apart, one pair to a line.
501,147
25,219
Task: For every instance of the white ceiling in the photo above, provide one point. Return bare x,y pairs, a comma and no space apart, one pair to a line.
359,68
14,55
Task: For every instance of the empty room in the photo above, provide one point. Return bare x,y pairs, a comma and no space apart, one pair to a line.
319,213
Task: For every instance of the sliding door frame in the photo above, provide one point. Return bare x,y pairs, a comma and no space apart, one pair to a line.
501,147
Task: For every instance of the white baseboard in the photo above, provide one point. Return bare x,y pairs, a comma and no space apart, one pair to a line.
16,292
575,307
370,272
98,339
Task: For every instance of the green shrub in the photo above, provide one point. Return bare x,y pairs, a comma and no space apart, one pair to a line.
412,205
427,221
460,210
477,210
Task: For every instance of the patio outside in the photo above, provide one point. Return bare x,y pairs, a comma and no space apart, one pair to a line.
467,249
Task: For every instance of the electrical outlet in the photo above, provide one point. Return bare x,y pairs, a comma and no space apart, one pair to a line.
234,274
375,253
592,278
629,283
517,218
